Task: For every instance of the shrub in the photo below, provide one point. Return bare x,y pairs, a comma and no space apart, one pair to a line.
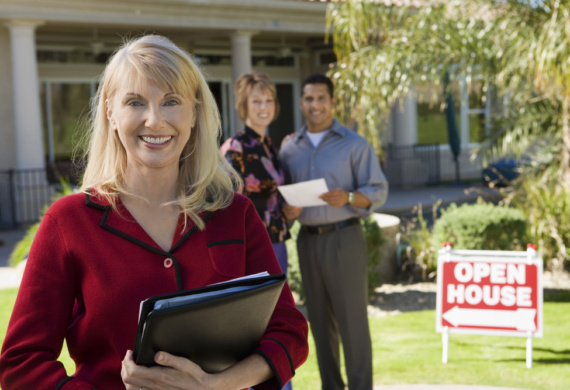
547,205
22,247
420,252
374,240
293,271
481,226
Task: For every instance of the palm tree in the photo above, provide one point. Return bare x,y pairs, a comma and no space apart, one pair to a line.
519,49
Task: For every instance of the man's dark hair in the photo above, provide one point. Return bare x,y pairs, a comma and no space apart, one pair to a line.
318,78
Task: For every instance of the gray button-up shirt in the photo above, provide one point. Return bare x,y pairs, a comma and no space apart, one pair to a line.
345,160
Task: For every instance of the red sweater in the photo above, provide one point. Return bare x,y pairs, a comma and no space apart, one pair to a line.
90,267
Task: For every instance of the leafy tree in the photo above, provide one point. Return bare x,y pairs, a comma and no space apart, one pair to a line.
520,48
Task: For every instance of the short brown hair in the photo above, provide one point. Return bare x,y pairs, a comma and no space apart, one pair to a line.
243,87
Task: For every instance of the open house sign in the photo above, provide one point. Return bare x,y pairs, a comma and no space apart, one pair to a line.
489,292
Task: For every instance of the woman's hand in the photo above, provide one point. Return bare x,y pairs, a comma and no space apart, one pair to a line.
173,373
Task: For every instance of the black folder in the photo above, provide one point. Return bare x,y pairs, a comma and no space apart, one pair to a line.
213,332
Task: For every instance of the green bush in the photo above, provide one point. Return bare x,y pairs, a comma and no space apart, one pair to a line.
418,249
22,247
481,226
374,240
547,206
293,271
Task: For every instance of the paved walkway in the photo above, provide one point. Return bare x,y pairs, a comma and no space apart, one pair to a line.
400,202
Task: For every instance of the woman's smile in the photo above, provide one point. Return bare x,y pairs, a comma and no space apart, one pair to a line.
155,140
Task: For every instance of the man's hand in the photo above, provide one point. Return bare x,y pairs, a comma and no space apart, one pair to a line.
291,212
336,197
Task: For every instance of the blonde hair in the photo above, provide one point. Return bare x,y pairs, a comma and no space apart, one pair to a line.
243,87
206,181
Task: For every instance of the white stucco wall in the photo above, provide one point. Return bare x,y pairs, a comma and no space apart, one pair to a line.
8,144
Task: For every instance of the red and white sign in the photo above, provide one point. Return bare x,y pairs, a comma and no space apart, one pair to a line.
489,292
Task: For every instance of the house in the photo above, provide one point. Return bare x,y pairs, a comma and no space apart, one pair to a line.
55,50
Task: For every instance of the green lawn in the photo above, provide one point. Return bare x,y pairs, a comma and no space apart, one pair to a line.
408,350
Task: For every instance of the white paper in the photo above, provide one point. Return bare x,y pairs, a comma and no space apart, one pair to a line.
305,193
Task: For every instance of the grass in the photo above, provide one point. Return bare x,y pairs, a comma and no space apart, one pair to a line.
408,350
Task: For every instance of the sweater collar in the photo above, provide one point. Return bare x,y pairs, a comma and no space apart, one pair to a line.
121,222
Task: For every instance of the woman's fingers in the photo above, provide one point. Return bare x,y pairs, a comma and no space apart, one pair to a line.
129,372
182,367
173,372
176,362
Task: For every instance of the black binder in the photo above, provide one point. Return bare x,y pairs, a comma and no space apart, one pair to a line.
213,332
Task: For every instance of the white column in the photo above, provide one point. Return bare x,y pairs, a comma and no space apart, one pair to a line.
404,121
412,119
241,63
27,113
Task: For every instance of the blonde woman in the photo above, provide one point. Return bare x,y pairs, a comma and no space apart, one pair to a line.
252,154
158,213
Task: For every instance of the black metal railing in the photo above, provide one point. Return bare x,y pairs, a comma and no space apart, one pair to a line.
25,193
414,165
23,196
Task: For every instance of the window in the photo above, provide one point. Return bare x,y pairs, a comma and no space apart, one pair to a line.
220,90
66,107
73,56
472,111
476,110
257,60
285,122
432,123
325,57
273,61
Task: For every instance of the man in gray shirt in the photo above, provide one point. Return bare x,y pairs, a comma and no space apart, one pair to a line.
331,244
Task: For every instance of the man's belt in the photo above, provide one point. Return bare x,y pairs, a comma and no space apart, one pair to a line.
330,227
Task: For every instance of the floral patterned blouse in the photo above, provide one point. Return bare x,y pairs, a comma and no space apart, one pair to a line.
257,162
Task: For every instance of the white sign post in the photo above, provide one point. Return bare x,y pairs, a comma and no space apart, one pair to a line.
489,293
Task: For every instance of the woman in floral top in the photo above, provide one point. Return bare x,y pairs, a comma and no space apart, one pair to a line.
252,154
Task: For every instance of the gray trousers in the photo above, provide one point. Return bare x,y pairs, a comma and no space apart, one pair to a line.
334,271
